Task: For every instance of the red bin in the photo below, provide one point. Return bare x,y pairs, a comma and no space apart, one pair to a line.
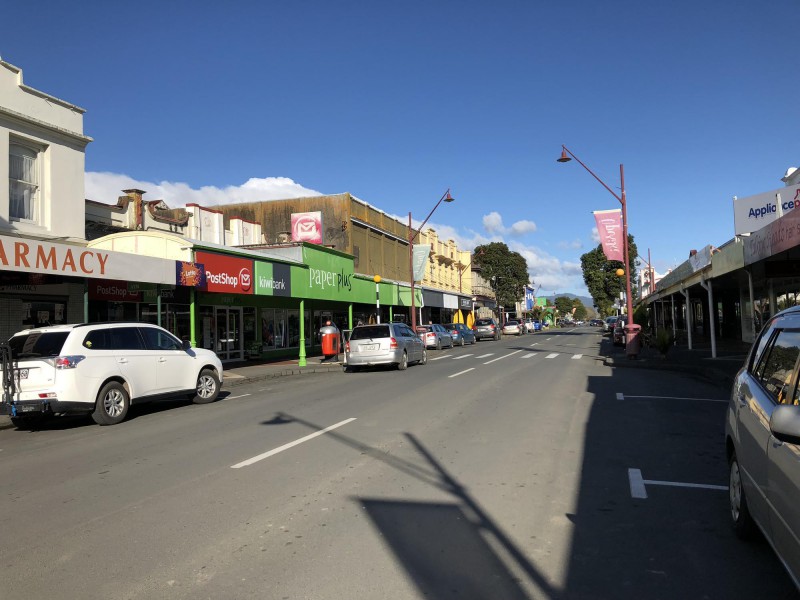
331,340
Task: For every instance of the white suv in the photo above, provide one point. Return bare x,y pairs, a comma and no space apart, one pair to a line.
100,369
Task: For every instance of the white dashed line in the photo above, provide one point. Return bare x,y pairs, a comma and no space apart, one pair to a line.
461,373
439,358
502,357
577,356
620,396
485,355
233,397
255,459
534,344
553,355
528,355
462,356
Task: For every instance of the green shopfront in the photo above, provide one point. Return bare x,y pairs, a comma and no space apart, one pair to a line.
253,307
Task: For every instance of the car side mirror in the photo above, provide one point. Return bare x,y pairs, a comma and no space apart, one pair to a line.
187,345
785,423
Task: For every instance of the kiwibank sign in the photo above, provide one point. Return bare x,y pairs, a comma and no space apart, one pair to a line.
754,212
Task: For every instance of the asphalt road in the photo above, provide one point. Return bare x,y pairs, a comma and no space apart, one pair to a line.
517,469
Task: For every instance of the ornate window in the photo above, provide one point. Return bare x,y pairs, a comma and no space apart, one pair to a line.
23,183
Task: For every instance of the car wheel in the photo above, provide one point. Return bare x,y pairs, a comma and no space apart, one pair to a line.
403,364
740,514
112,404
462,341
438,344
424,359
207,387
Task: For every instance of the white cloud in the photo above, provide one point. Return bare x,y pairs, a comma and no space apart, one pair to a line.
107,187
573,245
595,235
493,224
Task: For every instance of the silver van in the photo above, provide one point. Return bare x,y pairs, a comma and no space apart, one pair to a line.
762,440
383,344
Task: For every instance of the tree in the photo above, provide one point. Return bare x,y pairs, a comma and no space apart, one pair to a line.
563,305
506,270
601,278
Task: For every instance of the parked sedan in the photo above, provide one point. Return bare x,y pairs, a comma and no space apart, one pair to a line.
435,336
460,333
762,441
383,344
512,328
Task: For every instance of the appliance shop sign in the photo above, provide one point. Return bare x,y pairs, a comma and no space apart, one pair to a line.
34,256
755,212
226,274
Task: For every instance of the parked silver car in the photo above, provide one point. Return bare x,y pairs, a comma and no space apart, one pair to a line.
435,336
762,439
383,344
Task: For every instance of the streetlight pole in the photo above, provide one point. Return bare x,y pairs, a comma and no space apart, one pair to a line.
446,197
623,201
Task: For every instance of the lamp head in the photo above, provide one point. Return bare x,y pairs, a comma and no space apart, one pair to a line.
620,272
564,158
448,197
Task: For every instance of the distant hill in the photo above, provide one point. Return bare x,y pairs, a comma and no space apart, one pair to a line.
586,300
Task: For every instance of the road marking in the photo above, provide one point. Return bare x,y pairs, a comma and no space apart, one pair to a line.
638,483
462,356
240,396
461,372
553,355
577,356
548,339
255,459
485,355
439,357
534,344
502,357
621,397
529,355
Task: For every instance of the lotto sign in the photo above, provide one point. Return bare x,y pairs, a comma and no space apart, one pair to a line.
226,274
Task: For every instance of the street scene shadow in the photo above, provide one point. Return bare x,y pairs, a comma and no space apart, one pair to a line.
449,550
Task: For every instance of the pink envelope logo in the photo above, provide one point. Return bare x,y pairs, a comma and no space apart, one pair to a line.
307,227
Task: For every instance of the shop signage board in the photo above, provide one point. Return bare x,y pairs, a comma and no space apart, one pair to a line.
34,256
226,274
327,276
755,212
273,279
307,227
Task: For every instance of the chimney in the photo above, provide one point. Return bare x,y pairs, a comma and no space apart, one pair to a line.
138,206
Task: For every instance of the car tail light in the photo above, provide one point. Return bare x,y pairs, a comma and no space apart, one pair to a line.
392,344
68,362
492,325
347,347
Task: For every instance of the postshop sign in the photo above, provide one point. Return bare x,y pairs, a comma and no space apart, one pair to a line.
226,274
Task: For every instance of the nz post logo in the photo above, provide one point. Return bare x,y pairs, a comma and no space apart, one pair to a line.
245,279
307,227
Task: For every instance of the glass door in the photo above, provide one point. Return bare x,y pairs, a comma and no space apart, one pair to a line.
229,344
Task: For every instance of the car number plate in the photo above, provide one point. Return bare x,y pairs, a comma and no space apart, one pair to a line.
369,347
28,408
22,373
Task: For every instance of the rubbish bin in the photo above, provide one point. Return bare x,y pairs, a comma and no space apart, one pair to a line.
633,341
331,341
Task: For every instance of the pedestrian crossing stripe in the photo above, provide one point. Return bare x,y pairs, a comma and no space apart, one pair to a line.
553,355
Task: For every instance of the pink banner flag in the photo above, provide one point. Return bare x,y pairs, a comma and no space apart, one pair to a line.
609,228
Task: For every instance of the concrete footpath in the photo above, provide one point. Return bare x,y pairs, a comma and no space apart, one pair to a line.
720,370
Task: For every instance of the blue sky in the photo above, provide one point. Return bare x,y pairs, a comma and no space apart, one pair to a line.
396,102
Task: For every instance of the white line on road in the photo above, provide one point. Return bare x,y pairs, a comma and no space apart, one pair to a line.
553,355
240,396
485,355
534,344
577,356
439,357
620,397
462,356
461,373
638,483
548,339
502,357
529,355
255,459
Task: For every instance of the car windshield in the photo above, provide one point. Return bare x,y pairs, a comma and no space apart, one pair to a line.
37,344
369,332
483,322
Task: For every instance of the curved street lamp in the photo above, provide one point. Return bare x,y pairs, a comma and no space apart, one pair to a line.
633,348
446,197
